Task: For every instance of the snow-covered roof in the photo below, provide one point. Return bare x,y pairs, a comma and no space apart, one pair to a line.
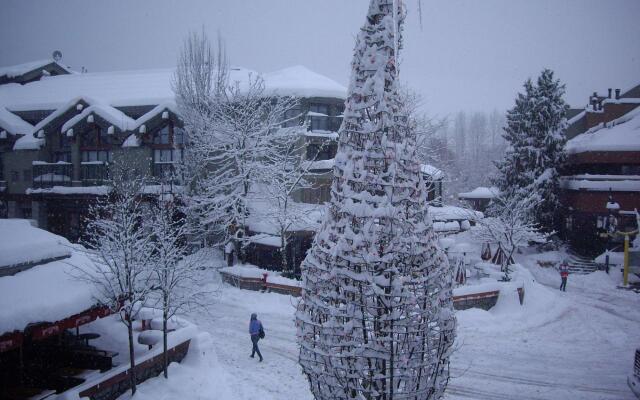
151,87
480,192
300,81
433,172
13,71
13,124
45,293
21,243
622,134
453,213
108,113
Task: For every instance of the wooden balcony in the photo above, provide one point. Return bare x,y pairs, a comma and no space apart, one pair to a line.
47,175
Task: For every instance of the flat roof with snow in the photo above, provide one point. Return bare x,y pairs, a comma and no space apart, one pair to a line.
152,86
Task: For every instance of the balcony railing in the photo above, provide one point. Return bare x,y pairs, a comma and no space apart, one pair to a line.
46,175
94,173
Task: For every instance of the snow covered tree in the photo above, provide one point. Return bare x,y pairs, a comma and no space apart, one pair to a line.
118,242
535,134
174,270
230,128
286,170
375,319
513,227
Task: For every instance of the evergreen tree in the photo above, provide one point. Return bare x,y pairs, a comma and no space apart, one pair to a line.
535,134
375,320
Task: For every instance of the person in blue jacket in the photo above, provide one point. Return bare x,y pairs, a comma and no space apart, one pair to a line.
256,331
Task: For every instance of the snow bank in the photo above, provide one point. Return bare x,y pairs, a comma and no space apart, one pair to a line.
251,271
21,243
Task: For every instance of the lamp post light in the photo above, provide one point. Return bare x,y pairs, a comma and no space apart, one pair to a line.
610,225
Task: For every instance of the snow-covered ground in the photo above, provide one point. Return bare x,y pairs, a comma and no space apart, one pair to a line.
577,344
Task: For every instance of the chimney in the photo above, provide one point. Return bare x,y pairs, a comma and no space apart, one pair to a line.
594,102
617,94
609,93
595,94
600,105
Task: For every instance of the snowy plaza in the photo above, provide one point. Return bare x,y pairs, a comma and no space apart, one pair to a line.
319,199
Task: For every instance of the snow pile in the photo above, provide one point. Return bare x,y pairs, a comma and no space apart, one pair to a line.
21,243
453,213
251,271
480,192
622,134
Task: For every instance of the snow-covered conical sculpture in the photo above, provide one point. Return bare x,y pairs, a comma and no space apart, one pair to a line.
375,320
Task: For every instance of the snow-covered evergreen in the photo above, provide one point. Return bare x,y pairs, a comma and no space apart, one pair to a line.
375,320
535,134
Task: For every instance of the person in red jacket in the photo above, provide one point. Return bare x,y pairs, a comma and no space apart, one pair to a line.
564,273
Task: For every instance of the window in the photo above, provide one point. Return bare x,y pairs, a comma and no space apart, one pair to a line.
96,155
292,117
95,137
162,136
167,155
324,152
319,108
15,176
26,175
62,156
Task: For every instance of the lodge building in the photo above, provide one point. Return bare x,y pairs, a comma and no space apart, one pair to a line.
601,179
61,133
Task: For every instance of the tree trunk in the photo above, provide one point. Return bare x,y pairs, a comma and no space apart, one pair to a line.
132,358
165,354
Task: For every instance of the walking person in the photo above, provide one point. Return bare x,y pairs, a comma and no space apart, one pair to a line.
564,273
257,332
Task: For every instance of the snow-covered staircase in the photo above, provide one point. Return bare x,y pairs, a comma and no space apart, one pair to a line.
581,265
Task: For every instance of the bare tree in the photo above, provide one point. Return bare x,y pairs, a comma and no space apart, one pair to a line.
512,227
230,127
119,244
175,271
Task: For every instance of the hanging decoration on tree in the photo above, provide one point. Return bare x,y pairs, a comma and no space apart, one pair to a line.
375,320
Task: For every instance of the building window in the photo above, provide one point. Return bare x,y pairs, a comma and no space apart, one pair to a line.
319,108
292,117
167,155
15,176
96,155
96,137
62,156
162,136
323,152
26,175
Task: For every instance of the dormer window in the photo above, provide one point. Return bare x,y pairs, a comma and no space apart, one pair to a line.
162,136
96,138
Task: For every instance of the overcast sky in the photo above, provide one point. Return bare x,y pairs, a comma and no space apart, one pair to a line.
469,54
